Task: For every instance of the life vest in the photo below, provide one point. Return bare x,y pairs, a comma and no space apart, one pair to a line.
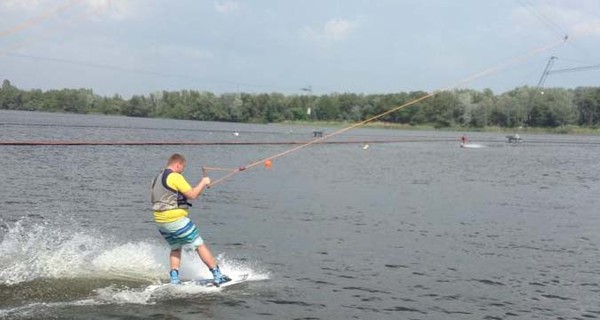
164,197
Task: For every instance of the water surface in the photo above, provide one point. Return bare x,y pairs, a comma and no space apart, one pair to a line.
413,230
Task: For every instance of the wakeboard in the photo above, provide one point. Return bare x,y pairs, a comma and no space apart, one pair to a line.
235,280
471,146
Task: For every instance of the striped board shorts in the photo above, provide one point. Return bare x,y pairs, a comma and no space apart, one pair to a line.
179,233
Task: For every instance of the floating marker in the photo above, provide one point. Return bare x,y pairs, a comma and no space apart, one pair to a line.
268,164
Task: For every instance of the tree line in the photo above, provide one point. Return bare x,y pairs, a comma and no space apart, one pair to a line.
522,106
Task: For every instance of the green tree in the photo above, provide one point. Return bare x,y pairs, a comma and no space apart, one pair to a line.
587,102
10,96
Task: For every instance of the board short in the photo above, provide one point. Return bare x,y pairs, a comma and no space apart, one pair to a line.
179,233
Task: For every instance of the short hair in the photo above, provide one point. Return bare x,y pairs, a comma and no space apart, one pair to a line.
176,158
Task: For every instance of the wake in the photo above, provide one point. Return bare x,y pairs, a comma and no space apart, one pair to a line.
52,266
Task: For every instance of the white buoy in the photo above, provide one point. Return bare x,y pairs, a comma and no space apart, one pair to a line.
235,133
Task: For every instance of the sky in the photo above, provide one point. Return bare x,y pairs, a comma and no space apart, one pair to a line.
131,47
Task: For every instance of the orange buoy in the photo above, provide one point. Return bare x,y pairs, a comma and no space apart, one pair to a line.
268,164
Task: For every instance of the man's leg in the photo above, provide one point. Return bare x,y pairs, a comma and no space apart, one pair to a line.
206,256
208,259
175,258
175,262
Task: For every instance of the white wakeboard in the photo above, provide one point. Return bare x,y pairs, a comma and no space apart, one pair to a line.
471,146
209,283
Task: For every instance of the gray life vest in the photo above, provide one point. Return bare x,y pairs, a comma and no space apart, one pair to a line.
164,197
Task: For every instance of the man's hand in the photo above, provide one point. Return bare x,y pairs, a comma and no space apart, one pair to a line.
205,181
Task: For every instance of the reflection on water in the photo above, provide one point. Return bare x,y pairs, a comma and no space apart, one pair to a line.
419,230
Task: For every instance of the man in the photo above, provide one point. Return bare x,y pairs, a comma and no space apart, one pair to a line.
170,195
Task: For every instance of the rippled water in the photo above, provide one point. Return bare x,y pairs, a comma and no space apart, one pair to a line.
413,230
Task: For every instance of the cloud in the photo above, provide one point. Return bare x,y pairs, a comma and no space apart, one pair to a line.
558,17
118,10
586,28
19,5
226,6
334,30
576,20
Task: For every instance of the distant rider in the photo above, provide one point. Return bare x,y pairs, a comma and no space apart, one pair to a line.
170,195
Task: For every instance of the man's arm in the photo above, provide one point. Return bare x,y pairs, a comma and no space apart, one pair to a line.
196,191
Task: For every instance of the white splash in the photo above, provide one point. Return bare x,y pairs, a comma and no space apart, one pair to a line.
43,251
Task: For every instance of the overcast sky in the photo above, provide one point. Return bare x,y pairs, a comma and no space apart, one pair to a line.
362,46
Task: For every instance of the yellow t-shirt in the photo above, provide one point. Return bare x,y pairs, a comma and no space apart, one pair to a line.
177,182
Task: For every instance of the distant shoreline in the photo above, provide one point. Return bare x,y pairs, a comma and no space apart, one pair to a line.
563,130
522,110
570,129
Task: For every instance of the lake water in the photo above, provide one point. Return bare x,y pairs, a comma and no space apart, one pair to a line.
421,229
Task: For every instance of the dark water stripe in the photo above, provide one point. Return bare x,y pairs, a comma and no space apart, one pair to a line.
200,143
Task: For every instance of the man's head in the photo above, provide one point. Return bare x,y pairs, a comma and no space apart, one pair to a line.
176,163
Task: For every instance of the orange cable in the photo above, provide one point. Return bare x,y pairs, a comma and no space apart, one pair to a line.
218,169
22,44
36,20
